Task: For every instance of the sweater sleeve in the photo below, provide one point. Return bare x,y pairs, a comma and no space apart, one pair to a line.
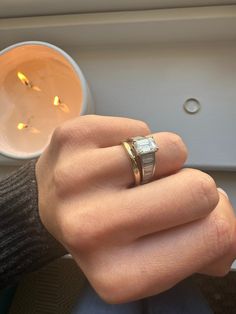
25,245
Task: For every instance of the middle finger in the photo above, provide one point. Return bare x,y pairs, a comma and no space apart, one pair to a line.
171,201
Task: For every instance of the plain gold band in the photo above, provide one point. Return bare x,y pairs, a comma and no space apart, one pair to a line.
135,168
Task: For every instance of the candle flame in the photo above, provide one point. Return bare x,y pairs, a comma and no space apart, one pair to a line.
56,101
24,80
22,126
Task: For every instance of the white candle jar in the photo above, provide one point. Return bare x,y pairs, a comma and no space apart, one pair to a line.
41,86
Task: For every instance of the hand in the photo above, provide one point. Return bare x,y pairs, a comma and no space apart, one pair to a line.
131,242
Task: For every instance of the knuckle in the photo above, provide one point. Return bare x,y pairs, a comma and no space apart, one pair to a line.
59,180
204,189
179,146
109,288
219,235
61,135
209,190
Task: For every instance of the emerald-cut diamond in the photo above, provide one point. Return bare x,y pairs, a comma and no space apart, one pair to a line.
144,145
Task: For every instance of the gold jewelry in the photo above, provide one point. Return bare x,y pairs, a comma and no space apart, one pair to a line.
135,167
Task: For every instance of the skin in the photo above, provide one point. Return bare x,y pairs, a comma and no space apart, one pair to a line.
131,242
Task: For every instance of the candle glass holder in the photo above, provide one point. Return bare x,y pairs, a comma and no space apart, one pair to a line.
41,86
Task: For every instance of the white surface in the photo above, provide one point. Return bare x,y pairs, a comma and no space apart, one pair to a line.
10,8
141,27
147,64
152,83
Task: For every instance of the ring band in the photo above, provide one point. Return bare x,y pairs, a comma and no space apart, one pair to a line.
135,167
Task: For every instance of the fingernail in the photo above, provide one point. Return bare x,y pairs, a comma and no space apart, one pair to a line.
223,192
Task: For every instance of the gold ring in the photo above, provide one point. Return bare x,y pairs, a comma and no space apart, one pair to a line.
135,168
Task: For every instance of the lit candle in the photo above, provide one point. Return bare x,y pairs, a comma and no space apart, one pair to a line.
40,87
22,126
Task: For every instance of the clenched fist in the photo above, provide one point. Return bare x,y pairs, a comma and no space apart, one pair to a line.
131,242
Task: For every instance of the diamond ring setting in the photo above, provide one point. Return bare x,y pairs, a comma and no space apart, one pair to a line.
143,149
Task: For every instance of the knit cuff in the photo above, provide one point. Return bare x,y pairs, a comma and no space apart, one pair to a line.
25,244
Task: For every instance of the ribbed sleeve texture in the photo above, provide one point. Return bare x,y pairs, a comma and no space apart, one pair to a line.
25,245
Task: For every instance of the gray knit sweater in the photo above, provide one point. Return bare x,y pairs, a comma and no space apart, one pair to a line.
25,245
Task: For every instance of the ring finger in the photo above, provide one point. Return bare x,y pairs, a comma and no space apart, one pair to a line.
170,157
